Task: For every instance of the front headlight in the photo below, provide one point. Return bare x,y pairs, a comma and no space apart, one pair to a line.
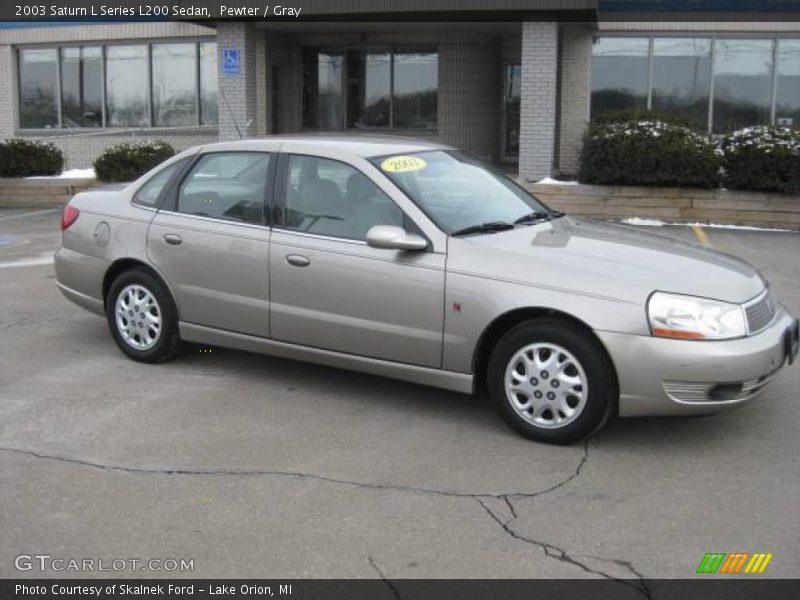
692,318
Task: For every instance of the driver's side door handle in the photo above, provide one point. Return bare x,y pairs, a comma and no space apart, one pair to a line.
172,238
297,260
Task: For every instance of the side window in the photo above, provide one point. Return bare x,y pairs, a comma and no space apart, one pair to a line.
328,197
227,185
149,193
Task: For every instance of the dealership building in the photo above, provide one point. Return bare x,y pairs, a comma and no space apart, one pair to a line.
512,81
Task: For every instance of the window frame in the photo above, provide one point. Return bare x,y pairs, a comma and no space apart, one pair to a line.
104,46
775,38
169,201
281,188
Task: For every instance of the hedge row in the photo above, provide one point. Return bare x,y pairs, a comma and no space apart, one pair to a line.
28,158
126,162
654,152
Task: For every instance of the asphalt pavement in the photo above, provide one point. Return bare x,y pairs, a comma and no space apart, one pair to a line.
251,466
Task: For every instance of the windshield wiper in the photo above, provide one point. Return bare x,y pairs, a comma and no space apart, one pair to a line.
489,227
538,215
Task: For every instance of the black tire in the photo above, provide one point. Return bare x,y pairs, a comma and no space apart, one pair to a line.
585,349
168,342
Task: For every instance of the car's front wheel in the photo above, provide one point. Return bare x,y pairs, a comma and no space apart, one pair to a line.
142,317
551,381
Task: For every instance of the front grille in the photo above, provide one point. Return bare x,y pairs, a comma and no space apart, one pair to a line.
699,391
760,312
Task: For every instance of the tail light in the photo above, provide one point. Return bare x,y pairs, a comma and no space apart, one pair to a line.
68,216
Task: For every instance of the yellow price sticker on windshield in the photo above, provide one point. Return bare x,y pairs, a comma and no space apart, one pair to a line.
403,164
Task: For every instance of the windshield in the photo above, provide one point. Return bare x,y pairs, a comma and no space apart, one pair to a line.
459,192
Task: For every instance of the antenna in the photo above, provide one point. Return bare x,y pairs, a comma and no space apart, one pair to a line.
230,111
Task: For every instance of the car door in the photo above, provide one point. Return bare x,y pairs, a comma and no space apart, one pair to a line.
211,241
330,289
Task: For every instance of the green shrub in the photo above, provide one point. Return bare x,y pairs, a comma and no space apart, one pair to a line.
648,153
762,158
129,161
26,158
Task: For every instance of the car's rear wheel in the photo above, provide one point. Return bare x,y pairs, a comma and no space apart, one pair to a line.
551,381
142,317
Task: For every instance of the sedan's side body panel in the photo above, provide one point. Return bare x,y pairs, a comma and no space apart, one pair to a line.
218,271
352,298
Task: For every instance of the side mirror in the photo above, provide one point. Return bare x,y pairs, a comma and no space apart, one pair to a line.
394,238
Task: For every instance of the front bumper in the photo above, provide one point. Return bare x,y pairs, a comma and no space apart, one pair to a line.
664,377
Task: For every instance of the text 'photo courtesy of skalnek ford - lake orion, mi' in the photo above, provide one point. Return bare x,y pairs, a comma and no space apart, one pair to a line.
407,300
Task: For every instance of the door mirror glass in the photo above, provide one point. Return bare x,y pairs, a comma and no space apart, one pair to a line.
394,238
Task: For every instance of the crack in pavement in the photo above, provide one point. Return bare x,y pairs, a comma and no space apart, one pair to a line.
561,555
384,579
550,550
299,475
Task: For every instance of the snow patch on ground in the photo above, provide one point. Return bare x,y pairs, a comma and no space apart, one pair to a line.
70,174
551,181
656,223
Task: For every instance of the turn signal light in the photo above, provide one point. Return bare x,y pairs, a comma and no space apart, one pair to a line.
68,216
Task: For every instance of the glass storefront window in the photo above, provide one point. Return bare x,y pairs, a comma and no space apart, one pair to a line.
82,87
742,84
369,74
682,78
126,86
620,68
787,102
174,84
38,99
384,88
322,83
416,89
511,110
209,103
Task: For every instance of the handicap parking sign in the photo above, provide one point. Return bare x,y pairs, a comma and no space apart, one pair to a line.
230,61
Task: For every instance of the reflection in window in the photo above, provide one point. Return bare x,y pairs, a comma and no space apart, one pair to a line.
150,192
38,106
209,104
511,110
416,89
682,77
742,84
620,69
126,86
787,103
174,85
322,87
226,185
369,87
82,87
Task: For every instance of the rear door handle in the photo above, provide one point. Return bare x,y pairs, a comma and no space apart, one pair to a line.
297,260
172,238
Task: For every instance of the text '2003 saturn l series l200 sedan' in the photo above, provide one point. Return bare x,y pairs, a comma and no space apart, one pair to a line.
412,260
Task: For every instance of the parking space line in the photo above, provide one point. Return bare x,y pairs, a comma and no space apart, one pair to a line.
28,214
701,236
41,260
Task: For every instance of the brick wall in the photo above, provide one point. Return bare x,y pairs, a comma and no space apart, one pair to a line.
469,92
238,94
8,96
538,101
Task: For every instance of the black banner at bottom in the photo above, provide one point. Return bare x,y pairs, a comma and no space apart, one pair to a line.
734,588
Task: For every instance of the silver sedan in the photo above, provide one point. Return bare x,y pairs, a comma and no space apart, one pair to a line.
412,260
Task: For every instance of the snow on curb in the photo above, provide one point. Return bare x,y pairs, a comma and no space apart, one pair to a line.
71,174
656,223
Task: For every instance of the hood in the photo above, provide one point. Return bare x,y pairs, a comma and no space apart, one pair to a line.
604,259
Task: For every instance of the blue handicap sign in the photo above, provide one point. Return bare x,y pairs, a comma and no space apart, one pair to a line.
230,61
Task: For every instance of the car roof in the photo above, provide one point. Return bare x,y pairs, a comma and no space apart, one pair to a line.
365,145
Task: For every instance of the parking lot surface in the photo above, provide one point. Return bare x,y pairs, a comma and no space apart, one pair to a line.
254,466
